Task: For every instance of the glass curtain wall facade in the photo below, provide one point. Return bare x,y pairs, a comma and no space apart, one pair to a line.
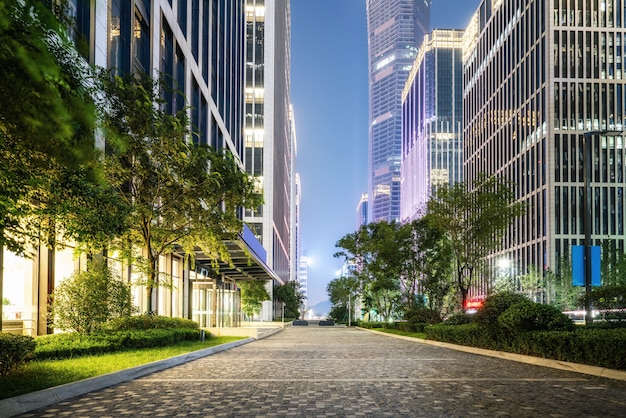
396,29
432,104
538,75
268,134
200,45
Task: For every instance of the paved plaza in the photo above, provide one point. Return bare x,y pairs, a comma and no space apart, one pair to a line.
345,372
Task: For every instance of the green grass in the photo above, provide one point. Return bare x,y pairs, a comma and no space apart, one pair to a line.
400,332
37,375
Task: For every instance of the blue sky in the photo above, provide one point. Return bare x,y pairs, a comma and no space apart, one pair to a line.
329,93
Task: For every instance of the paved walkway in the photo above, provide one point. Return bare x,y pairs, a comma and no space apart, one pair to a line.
342,372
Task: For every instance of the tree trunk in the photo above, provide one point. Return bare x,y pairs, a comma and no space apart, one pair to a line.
152,272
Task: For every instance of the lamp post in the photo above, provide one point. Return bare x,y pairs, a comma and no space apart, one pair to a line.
587,215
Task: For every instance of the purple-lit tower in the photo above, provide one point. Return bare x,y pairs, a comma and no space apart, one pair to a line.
432,104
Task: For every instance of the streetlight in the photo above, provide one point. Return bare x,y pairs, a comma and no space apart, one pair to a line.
587,215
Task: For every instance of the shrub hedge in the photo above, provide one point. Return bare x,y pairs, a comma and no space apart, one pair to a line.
596,347
511,322
15,350
530,316
60,346
147,321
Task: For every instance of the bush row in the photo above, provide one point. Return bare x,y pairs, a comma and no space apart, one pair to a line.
147,321
15,350
60,346
596,347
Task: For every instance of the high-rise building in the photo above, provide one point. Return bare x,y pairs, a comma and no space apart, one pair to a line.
361,212
269,140
396,29
199,45
432,102
539,77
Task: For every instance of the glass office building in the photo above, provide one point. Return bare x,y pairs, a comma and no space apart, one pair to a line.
396,29
432,152
269,134
199,45
538,75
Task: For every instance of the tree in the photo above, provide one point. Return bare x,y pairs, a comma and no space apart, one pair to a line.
376,252
289,294
613,264
474,217
561,292
342,293
253,293
89,299
181,195
50,171
47,121
434,264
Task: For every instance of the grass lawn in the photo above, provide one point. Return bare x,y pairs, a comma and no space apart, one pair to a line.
37,375
404,333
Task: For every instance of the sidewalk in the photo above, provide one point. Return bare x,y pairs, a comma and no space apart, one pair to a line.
19,404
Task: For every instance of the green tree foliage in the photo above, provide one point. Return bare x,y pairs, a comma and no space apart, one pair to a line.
46,122
181,195
342,290
613,264
474,217
88,299
561,293
289,293
374,251
532,284
51,185
435,264
342,294
253,294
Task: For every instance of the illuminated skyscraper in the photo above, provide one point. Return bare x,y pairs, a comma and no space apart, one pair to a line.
432,152
396,29
269,133
538,76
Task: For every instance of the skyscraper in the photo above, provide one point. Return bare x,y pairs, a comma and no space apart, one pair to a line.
539,77
432,103
199,45
268,133
396,29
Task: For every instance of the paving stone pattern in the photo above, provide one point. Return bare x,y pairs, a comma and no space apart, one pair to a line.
343,372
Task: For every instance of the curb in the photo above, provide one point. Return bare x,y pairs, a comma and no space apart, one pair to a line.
520,358
23,403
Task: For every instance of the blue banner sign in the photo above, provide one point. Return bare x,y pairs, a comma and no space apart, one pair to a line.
578,265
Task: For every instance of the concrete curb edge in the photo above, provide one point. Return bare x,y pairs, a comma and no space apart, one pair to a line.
520,358
23,403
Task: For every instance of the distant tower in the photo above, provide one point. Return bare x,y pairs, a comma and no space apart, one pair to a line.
303,278
396,29
432,102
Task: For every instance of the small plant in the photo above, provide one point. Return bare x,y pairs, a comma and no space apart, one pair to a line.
15,350
88,299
